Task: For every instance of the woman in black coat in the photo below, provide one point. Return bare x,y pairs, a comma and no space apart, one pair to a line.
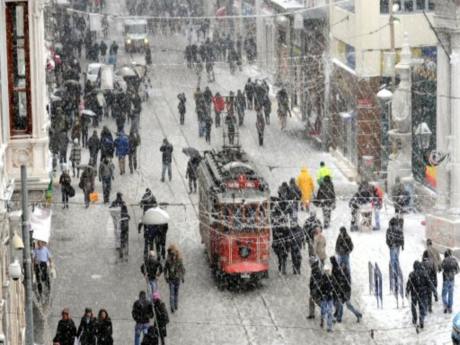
325,198
87,329
66,330
104,328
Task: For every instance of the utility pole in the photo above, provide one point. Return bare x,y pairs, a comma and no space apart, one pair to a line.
27,258
326,123
392,44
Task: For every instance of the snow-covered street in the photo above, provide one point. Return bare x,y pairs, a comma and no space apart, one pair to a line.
89,274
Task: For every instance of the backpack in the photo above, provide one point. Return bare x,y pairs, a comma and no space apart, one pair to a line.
107,143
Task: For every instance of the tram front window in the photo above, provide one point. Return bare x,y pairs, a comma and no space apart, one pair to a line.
245,217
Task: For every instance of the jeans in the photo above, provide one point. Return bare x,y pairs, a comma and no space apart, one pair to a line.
122,164
133,161
394,259
192,183
106,187
152,286
140,328
201,128
327,216
174,294
350,307
421,307
345,260
166,166
448,293
326,311
42,276
65,196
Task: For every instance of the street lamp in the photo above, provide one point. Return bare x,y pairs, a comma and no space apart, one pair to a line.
423,135
385,95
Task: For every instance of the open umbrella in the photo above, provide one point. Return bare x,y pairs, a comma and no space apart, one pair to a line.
155,216
88,112
127,72
84,166
191,152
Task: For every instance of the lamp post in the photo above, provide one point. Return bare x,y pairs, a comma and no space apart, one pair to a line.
423,136
282,23
386,97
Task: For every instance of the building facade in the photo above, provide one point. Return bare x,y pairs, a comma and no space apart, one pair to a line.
361,37
24,119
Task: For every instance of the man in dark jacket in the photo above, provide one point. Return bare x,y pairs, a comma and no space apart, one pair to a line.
134,142
106,175
152,269
343,248
64,141
395,241
142,312
94,146
167,150
325,198
418,287
342,290
249,91
295,196
161,316
362,197
449,270
315,286
327,298
87,329
148,200
431,272
296,248
122,150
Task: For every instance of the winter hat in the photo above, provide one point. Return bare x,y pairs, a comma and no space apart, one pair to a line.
343,230
447,253
429,242
156,296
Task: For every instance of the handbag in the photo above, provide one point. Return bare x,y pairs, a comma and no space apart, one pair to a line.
94,197
71,191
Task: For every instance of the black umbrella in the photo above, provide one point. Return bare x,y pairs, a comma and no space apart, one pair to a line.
191,152
72,82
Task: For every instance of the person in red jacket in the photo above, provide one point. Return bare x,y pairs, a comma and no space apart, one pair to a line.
219,106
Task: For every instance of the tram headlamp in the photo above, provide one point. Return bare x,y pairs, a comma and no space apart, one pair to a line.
244,252
146,40
128,41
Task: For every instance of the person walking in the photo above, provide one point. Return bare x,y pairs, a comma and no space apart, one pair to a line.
106,175
86,332
219,106
124,232
260,126
240,104
75,157
342,290
399,196
208,128
151,269
343,248
134,143
150,233
315,286
107,145
325,199
181,107
296,248
281,246
377,203
122,150
309,228
161,316
305,183
431,272
104,328
418,287
148,200
230,121
267,104
41,260
323,171
66,331
327,298
191,175
167,150
174,273
103,50
151,336
63,141
87,183
395,242
94,145
319,245
142,312
66,186
449,270
249,91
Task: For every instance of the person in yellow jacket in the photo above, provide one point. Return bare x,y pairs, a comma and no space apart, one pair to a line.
306,185
323,172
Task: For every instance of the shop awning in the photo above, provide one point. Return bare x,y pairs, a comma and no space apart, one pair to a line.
40,224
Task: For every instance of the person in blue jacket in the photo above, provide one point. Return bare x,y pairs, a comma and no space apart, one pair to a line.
122,150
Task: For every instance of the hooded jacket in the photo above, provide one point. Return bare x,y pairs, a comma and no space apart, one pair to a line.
305,183
418,284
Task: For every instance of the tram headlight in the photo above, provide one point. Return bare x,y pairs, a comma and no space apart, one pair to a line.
244,252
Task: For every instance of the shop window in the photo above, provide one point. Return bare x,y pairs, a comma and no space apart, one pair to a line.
18,64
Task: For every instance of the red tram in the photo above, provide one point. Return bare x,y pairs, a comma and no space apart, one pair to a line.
234,216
